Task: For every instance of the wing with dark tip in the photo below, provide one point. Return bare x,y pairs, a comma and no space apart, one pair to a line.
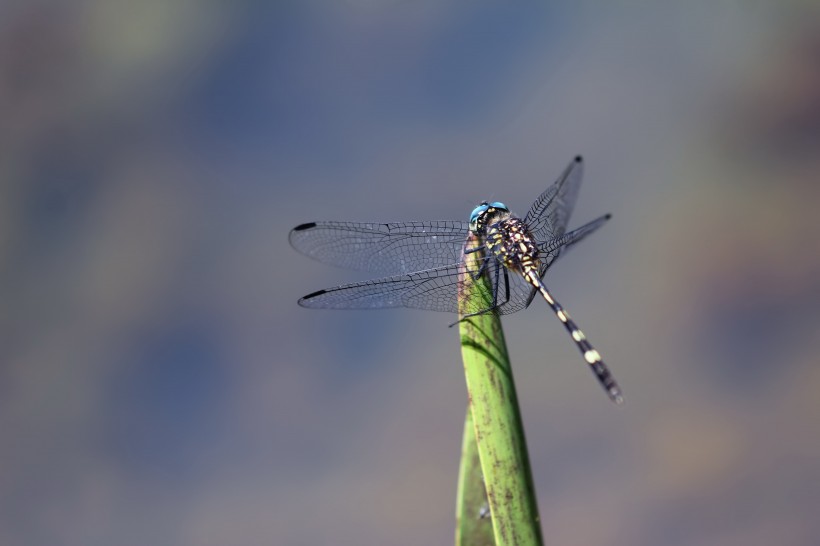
432,289
386,249
549,215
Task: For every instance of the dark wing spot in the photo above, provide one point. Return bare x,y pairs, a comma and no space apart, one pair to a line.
314,294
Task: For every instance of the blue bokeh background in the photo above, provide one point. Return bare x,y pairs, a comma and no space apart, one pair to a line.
159,384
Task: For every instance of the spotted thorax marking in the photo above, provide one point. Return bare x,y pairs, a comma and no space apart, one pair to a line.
509,239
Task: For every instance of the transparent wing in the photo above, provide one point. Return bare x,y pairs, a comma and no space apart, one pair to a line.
437,289
387,249
551,248
433,289
549,251
549,215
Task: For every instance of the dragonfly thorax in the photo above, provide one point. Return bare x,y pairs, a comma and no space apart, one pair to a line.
512,243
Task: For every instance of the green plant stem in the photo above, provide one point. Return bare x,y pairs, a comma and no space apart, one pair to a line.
497,429
474,527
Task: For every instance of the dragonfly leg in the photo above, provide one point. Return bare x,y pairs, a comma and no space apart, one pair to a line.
494,305
470,315
495,288
483,262
480,271
506,285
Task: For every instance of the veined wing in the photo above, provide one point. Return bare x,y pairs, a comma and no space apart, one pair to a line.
551,248
549,251
437,289
549,215
387,249
434,289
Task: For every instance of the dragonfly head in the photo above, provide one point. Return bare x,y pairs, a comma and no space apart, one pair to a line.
481,215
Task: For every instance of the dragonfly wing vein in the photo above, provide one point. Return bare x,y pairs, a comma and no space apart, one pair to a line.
549,215
556,246
433,289
386,249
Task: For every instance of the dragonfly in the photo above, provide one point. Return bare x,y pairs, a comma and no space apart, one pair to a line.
423,263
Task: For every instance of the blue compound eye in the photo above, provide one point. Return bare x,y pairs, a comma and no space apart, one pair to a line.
480,212
477,212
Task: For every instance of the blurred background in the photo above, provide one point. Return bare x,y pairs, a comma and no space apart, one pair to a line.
159,384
